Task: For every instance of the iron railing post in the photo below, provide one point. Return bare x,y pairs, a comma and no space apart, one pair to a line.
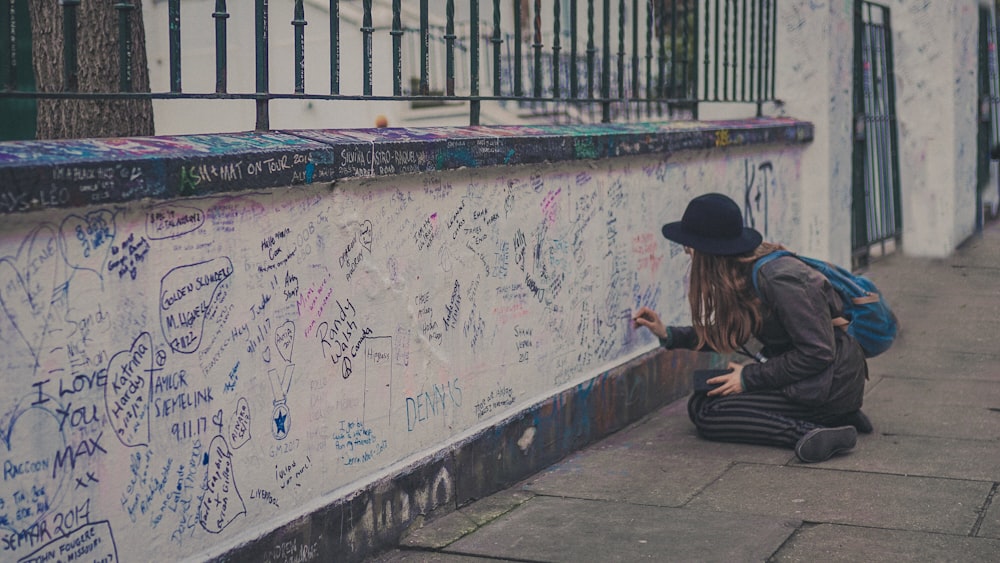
894,193
689,72
635,50
299,22
621,49
518,39
708,50
174,40
649,58
8,45
982,113
574,78
994,84
673,52
397,49
474,103
762,63
497,41
661,77
772,5
859,134
334,47
715,56
871,124
760,52
8,35
882,107
693,62
449,52
743,52
261,52
124,8
591,49
536,46
725,50
366,47
221,14
70,71
556,47
736,52
754,39
606,66
425,48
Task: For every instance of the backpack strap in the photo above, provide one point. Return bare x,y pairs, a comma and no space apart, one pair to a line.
764,260
838,322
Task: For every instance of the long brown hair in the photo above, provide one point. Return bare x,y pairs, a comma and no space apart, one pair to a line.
725,308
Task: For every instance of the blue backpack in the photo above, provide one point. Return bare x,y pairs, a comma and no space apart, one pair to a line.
867,317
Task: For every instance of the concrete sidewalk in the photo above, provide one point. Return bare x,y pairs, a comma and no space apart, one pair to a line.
920,488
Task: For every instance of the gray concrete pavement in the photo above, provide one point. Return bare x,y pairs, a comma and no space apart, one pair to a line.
922,487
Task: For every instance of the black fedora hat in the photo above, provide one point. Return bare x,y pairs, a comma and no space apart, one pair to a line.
713,224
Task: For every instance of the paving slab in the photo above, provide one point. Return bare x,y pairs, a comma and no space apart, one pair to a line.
899,277
574,530
960,422
660,462
413,556
940,333
669,431
933,363
946,308
809,493
446,529
951,458
443,531
920,391
990,525
494,506
980,251
927,281
957,408
833,543
634,477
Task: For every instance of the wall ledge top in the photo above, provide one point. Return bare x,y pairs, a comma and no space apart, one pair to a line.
72,173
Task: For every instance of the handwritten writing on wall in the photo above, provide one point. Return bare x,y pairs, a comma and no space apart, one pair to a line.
185,295
178,373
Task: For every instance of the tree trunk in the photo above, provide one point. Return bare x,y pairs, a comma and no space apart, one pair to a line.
98,62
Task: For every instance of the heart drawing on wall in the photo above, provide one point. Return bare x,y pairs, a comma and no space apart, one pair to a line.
36,464
86,241
128,391
188,294
27,282
221,502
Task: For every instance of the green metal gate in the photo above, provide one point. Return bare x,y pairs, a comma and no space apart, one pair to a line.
17,116
989,109
877,216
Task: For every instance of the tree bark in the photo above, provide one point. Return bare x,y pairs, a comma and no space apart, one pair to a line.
98,62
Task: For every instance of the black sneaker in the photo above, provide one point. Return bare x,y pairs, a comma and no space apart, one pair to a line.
821,444
859,421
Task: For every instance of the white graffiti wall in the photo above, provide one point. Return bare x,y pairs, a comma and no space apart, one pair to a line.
181,376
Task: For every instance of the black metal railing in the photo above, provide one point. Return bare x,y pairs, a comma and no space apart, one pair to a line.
989,40
877,210
619,59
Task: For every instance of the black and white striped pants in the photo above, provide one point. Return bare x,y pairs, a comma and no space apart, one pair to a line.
760,417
